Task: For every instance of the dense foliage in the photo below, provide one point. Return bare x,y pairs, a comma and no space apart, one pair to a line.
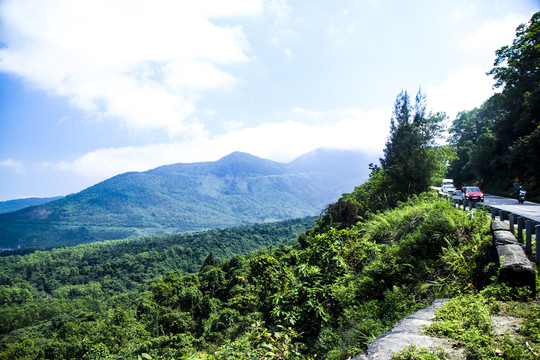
500,140
112,267
47,284
379,253
328,297
409,157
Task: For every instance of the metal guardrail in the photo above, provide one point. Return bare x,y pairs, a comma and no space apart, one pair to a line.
520,225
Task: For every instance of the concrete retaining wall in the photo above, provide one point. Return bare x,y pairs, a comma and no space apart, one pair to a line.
515,268
526,228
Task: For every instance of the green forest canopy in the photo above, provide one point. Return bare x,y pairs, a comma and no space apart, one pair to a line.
330,294
500,140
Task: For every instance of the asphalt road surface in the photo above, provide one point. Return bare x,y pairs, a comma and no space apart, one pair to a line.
528,209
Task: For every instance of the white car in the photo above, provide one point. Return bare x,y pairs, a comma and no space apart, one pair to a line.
447,182
449,189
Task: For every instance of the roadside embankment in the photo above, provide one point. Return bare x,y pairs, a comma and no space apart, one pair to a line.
408,331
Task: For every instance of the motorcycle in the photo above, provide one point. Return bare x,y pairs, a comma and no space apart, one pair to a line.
521,196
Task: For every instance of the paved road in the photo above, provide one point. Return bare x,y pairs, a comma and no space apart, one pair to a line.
528,209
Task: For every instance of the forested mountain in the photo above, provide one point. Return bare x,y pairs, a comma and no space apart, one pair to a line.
382,251
326,297
238,189
18,204
125,265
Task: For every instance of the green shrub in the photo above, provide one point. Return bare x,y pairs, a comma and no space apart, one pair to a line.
531,324
262,344
467,320
413,352
462,318
504,292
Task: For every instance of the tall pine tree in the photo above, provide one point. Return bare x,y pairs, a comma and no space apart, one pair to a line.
409,157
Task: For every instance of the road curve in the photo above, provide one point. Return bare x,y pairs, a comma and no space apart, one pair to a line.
528,209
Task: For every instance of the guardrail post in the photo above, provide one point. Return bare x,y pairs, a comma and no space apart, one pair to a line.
528,236
520,223
537,233
482,207
502,215
494,213
511,219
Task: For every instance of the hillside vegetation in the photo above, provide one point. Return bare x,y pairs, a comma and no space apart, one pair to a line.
15,205
239,189
42,286
327,296
330,294
111,267
386,249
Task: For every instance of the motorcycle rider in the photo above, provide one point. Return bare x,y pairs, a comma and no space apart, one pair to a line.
521,195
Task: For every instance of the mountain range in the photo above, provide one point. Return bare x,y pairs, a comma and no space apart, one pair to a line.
17,204
238,189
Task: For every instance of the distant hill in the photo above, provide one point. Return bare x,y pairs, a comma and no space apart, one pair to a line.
239,189
18,204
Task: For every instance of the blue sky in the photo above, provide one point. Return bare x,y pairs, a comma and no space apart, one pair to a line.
91,89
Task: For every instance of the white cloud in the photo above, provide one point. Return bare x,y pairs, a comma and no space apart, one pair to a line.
352,129
16,166
494,34
312,114
196,75
144,62
233,124
288,53
281,29
340,32
463,89
461,12
282,11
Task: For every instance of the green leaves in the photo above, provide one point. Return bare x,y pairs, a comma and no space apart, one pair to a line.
500,140
328,298
521,58
261,343
408,160
468,321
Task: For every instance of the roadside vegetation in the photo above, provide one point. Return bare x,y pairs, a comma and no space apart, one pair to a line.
327,296
379,253
497,323
500,140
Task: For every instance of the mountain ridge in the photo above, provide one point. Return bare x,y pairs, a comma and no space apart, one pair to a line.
18,204
238,189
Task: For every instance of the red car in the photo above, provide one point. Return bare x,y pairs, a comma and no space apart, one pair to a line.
472,193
